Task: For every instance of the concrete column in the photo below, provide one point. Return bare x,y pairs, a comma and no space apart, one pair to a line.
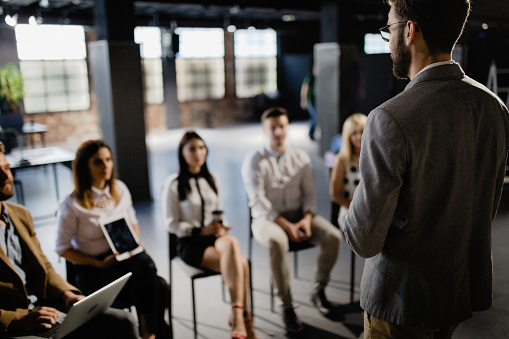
170,78
336,88
117,73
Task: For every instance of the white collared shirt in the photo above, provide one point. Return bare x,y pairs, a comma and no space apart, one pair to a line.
278,183
440,63
182,216
79,228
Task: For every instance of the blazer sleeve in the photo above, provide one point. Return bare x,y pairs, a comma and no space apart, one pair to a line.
383,165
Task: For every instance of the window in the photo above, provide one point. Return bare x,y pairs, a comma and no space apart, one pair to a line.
200,64
149,39
373,44
52,61
255,62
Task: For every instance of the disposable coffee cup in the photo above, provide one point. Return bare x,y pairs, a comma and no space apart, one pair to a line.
217,216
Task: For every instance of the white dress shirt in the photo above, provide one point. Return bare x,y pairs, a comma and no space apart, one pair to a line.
181,217
278,183
79,228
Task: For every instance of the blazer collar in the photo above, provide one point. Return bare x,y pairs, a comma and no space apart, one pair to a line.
438,73
23,232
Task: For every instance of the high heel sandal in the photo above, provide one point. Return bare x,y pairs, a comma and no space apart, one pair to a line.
236,335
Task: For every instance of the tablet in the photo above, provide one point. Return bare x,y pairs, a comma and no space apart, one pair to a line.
121,237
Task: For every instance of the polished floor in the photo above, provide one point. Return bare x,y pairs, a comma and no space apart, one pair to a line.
227,147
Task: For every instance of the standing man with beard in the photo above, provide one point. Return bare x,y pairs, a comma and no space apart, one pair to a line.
30,288
432,163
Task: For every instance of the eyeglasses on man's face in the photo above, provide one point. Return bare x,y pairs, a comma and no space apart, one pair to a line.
385,31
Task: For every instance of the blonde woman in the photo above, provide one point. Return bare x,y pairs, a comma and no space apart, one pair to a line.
345,174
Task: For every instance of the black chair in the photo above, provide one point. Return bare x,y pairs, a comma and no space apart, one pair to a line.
294,247
192,273
12,131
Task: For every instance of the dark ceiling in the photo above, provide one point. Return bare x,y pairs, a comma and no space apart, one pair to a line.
218,13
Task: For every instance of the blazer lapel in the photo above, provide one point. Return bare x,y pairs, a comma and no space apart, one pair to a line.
24,235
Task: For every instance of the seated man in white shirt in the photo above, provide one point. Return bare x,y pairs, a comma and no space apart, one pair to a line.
282,196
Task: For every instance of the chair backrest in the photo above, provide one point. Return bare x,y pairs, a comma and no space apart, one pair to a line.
172,243
12,120
70,273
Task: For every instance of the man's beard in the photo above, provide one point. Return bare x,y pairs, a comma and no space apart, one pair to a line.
6,194
401,59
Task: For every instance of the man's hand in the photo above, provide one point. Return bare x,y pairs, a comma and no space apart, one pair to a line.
38,319
295,233
305,225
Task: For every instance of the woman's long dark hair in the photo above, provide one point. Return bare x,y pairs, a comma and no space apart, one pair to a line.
184,174
81,172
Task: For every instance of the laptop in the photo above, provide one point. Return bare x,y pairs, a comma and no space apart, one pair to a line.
82,311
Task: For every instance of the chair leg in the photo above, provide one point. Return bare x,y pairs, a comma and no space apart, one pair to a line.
223,288
194,311
295,265
352,275
170,296
272,298
251,289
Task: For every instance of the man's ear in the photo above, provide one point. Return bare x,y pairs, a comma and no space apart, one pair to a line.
411,30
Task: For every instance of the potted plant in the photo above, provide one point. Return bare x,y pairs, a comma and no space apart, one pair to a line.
11,89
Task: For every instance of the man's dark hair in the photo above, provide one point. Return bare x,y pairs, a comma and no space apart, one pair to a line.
441,21
274,112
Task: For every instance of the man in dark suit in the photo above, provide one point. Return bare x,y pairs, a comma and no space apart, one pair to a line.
433,164
30,288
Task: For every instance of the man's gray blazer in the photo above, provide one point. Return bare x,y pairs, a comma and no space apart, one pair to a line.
432,164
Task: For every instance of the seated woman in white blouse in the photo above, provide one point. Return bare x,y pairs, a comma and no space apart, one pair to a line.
189,199
80,240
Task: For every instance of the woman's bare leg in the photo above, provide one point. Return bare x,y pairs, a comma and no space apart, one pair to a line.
225,257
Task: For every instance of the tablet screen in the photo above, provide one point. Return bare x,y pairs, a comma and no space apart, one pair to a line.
121,235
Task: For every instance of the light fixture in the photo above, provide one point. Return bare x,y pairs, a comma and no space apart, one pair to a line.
235,9
32,21
44,3
231,28
288,17
11,20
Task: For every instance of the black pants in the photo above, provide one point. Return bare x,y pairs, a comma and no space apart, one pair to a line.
143,290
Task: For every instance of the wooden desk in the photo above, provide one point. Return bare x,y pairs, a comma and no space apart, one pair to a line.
29,129
41,157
